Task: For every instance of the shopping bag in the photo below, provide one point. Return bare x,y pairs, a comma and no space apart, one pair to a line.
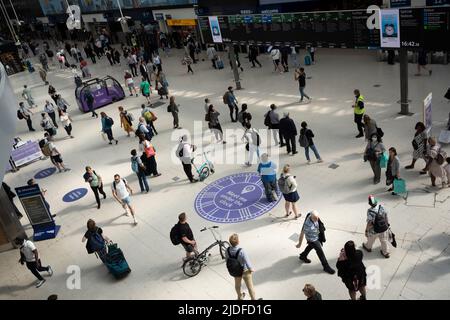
104,136
384,159
399,186
444,136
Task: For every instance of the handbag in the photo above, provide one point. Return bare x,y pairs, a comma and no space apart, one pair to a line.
207,117
380,132
400,186
149,151
384,160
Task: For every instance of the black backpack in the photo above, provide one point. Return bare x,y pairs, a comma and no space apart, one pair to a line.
20,115
267,122
235,269
175,235
380,224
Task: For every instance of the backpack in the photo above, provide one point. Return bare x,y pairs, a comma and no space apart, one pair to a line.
46,150
303,140
442,155
370,154
175,235
235,269
225,98
96,242
240,117
109,121
134,165
267,122
130,117
380,224
283,185
181,152
20,115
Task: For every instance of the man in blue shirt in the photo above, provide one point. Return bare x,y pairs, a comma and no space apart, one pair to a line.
311,232
268,171
232,103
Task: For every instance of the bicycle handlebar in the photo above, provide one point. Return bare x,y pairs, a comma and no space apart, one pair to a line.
205,228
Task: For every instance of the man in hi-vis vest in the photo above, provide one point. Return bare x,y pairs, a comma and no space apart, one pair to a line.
359,112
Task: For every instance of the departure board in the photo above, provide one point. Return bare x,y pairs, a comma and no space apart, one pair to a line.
205,29
411,31
436,28
335,29
427,28
362,36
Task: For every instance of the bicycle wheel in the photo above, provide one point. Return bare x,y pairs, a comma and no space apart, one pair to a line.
204,173
192,267
223,246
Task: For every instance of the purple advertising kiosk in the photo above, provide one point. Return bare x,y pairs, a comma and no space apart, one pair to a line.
106,90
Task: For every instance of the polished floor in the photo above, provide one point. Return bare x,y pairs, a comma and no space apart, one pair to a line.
418,267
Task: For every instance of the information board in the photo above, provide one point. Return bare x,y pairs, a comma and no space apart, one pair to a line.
34,205
425,28
413,28
335,29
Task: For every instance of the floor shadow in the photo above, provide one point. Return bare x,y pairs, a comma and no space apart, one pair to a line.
431,269
289,268
8,290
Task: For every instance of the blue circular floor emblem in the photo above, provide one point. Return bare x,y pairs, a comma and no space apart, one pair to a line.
75,195
236,198
45,173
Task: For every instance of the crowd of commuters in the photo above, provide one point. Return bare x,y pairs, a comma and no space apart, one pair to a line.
349,264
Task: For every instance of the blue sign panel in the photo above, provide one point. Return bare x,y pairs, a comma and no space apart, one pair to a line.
400,3
75,195
45,173
437,2
235,198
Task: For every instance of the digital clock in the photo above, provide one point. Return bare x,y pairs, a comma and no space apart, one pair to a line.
410,44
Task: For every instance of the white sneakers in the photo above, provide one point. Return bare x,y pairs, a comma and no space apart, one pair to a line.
40,283
50,271
135,221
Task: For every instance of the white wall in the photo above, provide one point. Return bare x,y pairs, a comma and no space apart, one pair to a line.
8,120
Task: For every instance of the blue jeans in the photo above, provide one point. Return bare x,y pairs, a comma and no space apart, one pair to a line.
143,183
314,149
303,94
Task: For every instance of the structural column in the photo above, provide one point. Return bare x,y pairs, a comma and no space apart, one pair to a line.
234,66
404,102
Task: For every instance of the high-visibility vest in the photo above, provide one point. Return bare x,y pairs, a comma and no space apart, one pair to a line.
357,109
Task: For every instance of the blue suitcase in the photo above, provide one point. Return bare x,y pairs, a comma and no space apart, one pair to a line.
219,64
307,60
115,262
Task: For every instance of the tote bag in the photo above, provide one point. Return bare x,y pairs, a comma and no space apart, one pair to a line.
384,160
399,186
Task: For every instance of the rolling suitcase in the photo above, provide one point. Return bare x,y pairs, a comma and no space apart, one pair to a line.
219,63
115,261
307,60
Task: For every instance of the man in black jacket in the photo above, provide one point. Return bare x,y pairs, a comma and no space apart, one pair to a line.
289,131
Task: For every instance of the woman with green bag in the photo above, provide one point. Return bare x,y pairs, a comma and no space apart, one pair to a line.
393,169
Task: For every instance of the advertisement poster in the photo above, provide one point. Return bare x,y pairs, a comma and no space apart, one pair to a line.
215,29
390,28
427,112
